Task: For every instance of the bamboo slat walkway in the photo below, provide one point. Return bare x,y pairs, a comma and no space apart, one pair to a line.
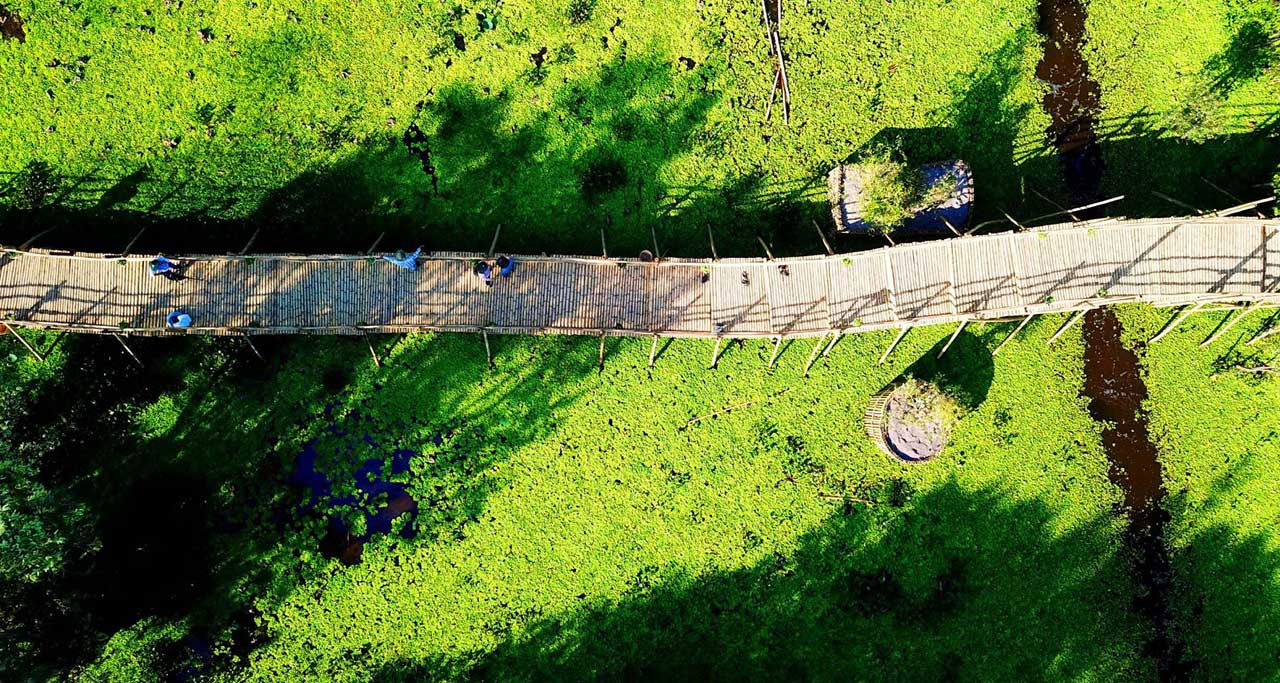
1065,267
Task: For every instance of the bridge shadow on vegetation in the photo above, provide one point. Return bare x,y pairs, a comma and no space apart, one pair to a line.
185,465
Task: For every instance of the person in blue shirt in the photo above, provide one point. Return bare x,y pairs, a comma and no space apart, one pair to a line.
403,260
179,320
165,268
506,265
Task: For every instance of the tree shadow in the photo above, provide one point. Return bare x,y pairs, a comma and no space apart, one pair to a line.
876,591
1253,50
964,372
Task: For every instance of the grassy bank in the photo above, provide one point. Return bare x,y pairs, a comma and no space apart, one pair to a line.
1189,93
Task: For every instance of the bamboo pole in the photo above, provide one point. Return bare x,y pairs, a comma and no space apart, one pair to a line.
132,242
1178,203
835,337
377,362
825,244
777,346
1242,207
955,334
814,356
373,246
892,346
602,337
13,331
653,351
712,238
1056,205
950,227
715,353
252,238
1014,333
657,254
1229,324
253,347
26,245
494,244
604,248
1263,335
767,252
1013,220
128,350
1075,318
1187,311
488,354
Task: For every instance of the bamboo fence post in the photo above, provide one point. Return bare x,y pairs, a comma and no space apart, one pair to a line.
657,254
602,338
955,334
1014,333
1075,318
604,248
1175,322
653,351
488,354
892,346
712,238
128,350
715,353
1229,324
24,342
767,252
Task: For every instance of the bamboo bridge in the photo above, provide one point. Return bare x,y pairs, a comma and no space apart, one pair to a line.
1065,267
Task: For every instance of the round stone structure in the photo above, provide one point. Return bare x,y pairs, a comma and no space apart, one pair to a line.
911,420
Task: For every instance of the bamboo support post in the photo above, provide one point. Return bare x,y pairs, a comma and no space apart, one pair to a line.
950,227
1056,205
657,253
128,350
885,356
488,353
1229,324
13,331
777,346
1014,333
959,329
252,238
602,338
825,244
1177,320
604,248
132,242
1270,331
835,337
1242,207
377,362
494,244
712,239
253,347
653,351
767,252
1075,318
26,245
715,353
375,244
1013,220
1177,203
817,348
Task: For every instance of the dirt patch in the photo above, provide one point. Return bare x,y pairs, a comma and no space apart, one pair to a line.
11,25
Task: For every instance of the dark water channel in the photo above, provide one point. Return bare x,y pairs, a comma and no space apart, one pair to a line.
1113,376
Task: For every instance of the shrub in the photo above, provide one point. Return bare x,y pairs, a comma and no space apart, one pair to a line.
888,190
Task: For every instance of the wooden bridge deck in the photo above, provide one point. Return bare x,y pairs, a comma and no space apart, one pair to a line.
1056,268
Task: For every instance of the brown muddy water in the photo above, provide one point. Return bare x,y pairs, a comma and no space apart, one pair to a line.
1113,377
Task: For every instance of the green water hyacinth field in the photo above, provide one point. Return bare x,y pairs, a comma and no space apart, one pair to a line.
527,508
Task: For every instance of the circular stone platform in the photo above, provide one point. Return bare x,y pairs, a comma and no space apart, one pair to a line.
911,420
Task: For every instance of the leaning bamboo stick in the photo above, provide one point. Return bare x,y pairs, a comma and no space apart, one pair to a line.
892,346
1175,322
1228,325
